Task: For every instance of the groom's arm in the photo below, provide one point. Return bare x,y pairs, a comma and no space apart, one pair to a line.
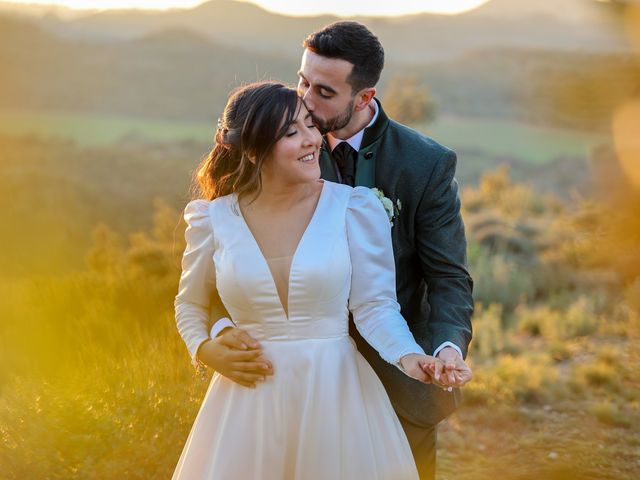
219,317
441,246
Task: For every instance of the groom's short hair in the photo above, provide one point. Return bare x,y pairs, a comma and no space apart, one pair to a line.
353,42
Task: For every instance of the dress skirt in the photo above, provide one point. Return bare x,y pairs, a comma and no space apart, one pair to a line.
324,414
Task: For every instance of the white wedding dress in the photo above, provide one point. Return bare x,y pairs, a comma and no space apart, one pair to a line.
324,414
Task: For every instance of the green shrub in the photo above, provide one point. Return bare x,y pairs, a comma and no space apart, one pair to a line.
503,238
610,414
632,295
526,378
579,319
534,321
559,351
488,337
599,375
501,279
515,200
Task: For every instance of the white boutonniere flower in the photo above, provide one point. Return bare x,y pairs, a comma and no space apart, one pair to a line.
392,210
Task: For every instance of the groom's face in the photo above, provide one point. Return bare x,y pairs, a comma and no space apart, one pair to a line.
324,88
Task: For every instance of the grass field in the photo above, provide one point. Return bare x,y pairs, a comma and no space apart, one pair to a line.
91,130
95,382
505,139
473,138
106,390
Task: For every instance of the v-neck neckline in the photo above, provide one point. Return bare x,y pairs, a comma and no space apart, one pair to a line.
295,252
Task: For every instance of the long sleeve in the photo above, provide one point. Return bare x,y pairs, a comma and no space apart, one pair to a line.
197,282
441,246
373,303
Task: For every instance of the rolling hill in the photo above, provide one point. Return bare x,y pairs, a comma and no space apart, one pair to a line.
581,25
181,74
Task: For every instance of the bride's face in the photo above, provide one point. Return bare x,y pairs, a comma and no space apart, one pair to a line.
294,158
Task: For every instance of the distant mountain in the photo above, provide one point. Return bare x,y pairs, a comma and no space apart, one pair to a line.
180,74
36,10
175,74
568,11
579,25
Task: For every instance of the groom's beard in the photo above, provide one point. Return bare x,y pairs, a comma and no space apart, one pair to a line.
336,123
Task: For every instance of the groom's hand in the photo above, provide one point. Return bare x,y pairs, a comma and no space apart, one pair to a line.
237,356
237,339
453,371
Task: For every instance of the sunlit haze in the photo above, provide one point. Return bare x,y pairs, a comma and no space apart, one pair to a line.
288,7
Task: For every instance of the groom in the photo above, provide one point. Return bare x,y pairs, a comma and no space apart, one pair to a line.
340,68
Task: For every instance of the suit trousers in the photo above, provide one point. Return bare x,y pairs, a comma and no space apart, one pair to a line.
423,446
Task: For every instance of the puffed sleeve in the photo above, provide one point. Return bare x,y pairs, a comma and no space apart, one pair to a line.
373,303
197,282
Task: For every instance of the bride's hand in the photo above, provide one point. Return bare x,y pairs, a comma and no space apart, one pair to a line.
417,366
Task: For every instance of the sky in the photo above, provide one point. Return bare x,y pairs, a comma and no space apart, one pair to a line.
291,7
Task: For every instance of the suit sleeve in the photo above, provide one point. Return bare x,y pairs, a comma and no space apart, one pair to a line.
197,282
441,246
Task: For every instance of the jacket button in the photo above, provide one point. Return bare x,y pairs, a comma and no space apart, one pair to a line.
368,155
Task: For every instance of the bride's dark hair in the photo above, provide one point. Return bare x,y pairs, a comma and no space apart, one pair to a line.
255,118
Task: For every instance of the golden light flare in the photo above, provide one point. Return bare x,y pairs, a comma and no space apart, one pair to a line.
626,119
632,25
286,7
626,138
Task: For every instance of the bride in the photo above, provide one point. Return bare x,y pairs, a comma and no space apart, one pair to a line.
290,256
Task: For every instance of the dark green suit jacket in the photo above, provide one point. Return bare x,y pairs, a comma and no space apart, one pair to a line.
432,281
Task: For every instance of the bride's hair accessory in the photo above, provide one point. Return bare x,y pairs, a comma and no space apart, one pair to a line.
227,137
221,134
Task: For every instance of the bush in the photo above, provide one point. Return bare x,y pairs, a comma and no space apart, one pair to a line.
559,351
598,375
632,295
609,414
501,279
579,319
513,200
488,338
504,238
408,102
526,378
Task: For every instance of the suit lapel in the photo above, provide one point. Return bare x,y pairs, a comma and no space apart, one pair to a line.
383,174
372,169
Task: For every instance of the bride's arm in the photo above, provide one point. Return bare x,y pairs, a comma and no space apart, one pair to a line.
372,300
197,280
231,354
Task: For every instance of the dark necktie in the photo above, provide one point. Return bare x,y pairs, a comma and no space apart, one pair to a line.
345,156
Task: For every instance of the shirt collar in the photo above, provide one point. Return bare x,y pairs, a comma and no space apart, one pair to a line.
356,140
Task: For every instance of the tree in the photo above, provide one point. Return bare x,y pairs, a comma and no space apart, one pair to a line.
406,101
